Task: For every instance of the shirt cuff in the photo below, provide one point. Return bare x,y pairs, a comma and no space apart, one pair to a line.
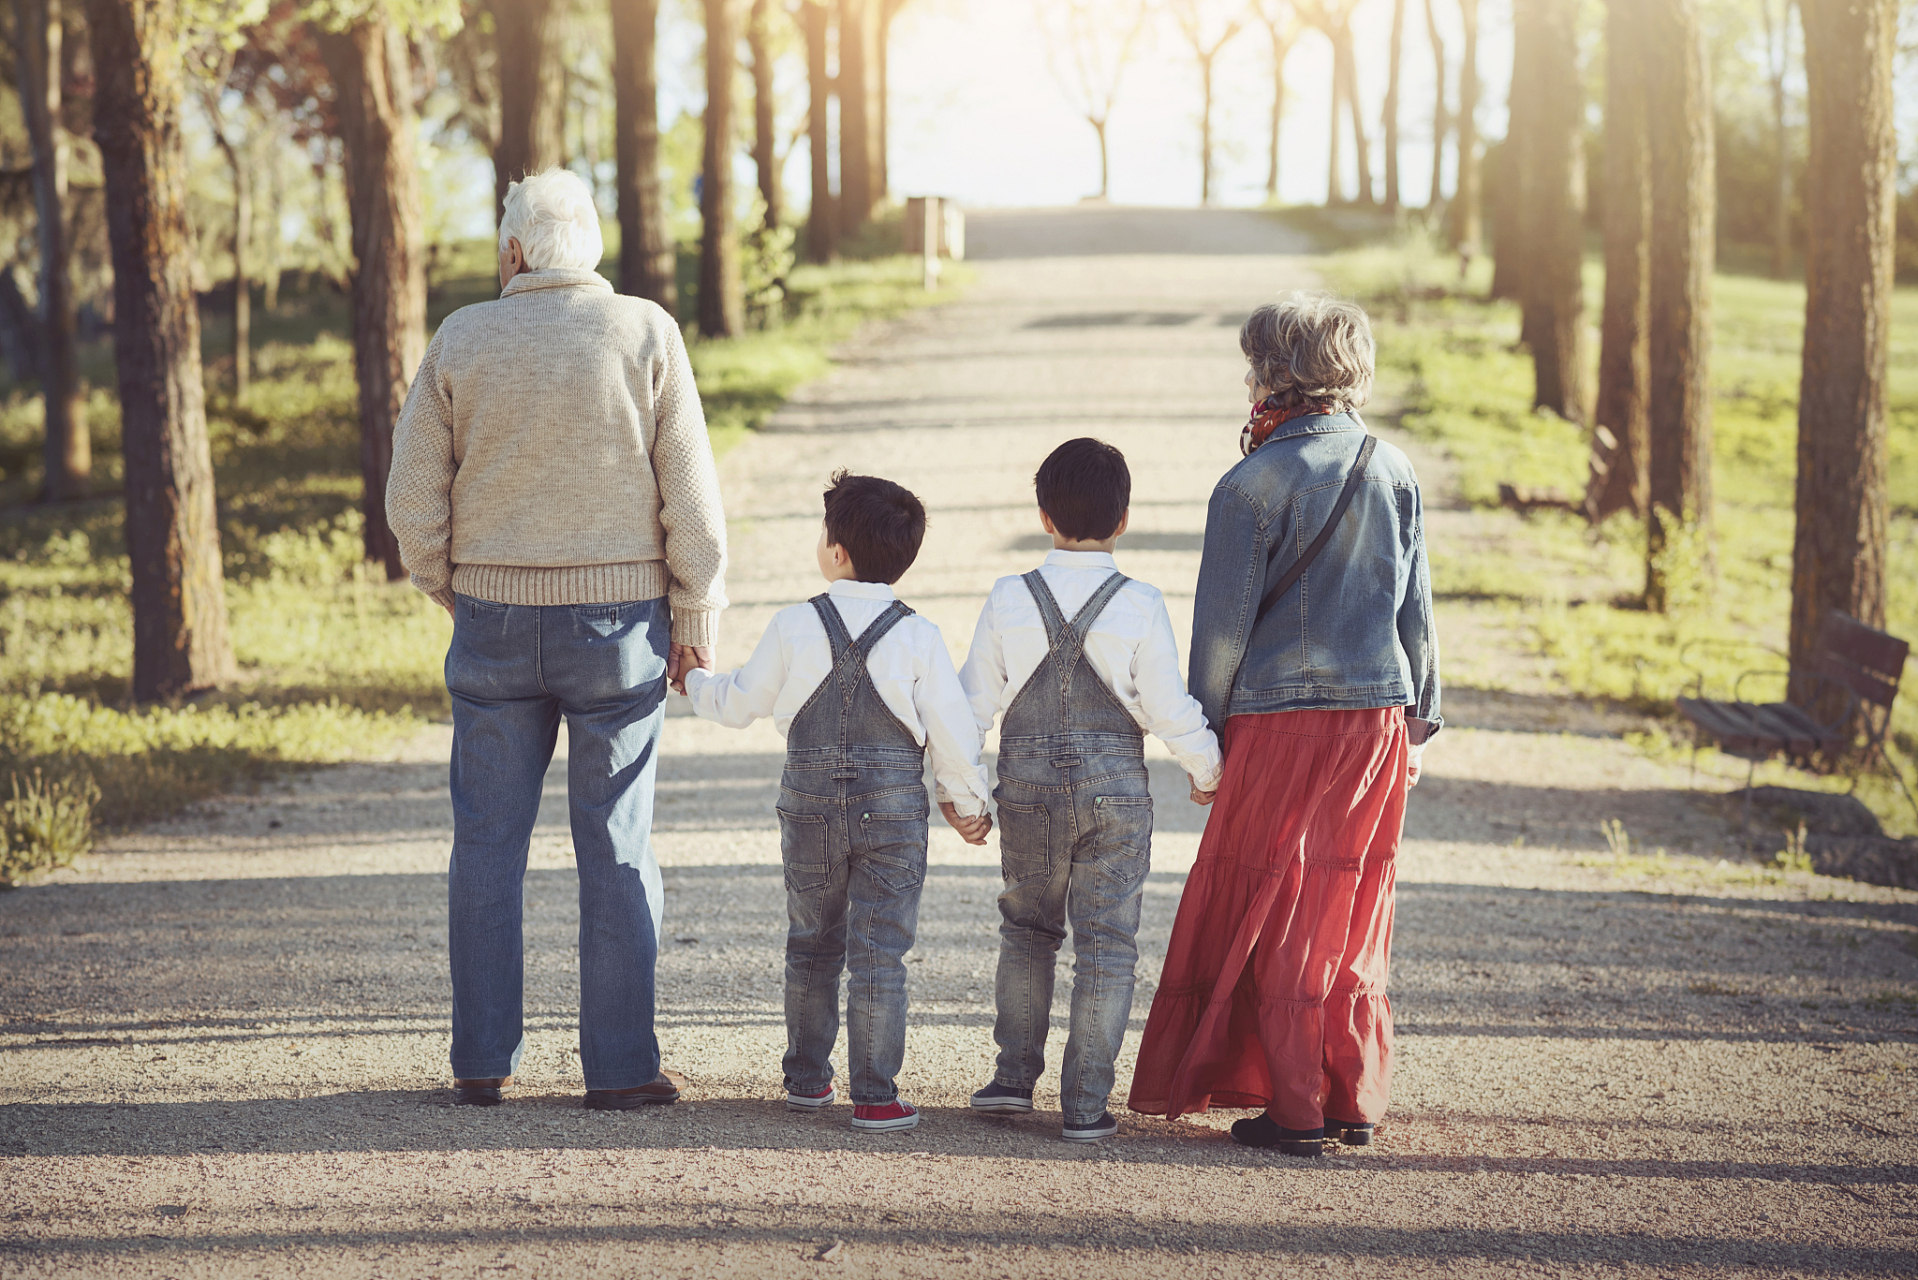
1209,780
696,628
1418,732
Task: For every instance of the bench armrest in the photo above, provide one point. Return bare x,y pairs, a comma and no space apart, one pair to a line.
1708,643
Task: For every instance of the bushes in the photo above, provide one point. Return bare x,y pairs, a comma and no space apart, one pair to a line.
46,824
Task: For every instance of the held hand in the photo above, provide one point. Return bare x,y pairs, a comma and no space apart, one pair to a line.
1413,764
1200,796
681,658
971,830
449,611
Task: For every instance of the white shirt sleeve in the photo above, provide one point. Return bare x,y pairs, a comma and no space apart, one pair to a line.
745,694
1168,710
984,676
952,736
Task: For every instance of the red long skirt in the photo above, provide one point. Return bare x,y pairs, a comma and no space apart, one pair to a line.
1273,993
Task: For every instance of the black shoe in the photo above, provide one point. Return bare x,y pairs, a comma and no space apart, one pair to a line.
481,1093
1002,1099
1092,1130
663,1090
1262,1131
1352,1135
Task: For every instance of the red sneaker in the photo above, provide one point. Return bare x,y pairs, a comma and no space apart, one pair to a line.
811,1101
897,1114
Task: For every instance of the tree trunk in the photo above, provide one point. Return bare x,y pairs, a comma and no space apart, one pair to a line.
1679,401
1281,48
180,641
1838,553
1361,145
1781,146
765,139
275,202
1503,186
1334,176
1391,125
1624,346
1105,171
238,160
1466,197
856,193
821,219
882,97
1441,119
646,259
68,451
1205,131
530,113
722,305
373,94
1552,187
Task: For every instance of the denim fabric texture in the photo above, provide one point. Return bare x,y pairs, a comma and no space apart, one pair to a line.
852,836
1075,840
514,671
1356,631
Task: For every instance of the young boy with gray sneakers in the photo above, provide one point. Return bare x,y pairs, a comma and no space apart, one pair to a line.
1081,663
859,716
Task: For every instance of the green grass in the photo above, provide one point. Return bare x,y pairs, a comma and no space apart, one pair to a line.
1450,364
336,663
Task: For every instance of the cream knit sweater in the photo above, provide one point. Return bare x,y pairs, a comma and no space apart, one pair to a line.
552,451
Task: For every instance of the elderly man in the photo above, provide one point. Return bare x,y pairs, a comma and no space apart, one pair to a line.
553,489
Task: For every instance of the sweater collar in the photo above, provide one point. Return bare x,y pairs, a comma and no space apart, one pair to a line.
848,589
555,278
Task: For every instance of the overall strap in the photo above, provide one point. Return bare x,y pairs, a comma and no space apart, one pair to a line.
1049,610
897,612
835,626
1069,640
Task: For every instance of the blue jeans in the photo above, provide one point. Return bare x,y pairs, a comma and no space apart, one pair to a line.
1075,840
513,671
855,861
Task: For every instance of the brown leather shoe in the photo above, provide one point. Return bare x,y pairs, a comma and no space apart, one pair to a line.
664,1089
480,1093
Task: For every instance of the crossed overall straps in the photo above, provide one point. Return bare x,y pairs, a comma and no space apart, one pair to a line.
849,659
1068,639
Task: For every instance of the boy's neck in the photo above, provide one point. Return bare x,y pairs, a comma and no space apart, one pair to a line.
1063,543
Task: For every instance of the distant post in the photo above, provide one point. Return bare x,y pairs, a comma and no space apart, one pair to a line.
929,241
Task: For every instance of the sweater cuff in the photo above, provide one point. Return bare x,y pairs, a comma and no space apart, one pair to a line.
444,598
696,628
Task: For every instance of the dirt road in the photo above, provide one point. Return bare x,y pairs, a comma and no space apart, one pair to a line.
225,1036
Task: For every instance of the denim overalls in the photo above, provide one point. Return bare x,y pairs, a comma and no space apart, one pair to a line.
852,834
1075,834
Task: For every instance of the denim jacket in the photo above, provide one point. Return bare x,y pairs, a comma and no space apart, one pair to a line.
1356,630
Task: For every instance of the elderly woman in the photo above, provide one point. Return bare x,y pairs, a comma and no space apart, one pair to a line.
1312,645
553,489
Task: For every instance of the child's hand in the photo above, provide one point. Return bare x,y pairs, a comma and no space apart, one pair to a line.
1198,796
971,830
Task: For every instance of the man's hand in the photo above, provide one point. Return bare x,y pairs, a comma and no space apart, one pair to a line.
1413,758
971,830
681,658
1201,797
449,611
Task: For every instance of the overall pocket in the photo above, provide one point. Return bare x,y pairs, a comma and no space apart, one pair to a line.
894,843
1025,840
802,848
1122,829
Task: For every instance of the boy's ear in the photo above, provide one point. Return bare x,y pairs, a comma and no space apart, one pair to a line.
1125,519
1045,522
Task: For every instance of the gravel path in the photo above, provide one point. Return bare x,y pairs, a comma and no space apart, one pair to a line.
226,1034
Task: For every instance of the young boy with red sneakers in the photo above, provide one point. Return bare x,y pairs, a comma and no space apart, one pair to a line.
862,688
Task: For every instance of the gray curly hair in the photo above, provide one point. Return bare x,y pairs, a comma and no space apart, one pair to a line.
1311,347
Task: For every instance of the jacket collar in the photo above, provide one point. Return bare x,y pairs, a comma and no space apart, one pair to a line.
847,589
1081,559
555,278
1316,424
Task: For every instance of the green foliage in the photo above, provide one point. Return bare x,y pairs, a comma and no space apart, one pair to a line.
47,823
1450,363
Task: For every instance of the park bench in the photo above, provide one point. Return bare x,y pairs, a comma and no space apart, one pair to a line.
1861,663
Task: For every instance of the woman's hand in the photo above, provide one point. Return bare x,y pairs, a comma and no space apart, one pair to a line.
1203,797
972,830
1413,757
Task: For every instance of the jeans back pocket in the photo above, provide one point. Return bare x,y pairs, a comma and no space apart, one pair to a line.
1025,840
802,848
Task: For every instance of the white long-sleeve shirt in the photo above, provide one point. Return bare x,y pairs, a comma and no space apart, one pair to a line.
1130,645
910,669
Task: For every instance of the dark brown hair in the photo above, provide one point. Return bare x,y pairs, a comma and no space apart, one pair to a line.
878,523
1085,486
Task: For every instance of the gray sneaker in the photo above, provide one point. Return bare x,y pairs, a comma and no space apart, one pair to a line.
1091,1130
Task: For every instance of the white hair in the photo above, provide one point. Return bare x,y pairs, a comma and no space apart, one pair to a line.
1311,348
553,217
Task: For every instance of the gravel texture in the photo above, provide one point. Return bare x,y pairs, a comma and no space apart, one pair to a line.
227,1042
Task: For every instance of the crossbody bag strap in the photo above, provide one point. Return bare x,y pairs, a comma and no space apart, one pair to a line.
1353,479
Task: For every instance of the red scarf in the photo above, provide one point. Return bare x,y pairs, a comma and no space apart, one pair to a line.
1268,416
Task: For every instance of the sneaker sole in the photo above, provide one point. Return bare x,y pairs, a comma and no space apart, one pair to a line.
882,1126
1088,1135
1007,1106
800,1102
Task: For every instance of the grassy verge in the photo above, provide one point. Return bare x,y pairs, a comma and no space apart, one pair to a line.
335,662
1450,364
